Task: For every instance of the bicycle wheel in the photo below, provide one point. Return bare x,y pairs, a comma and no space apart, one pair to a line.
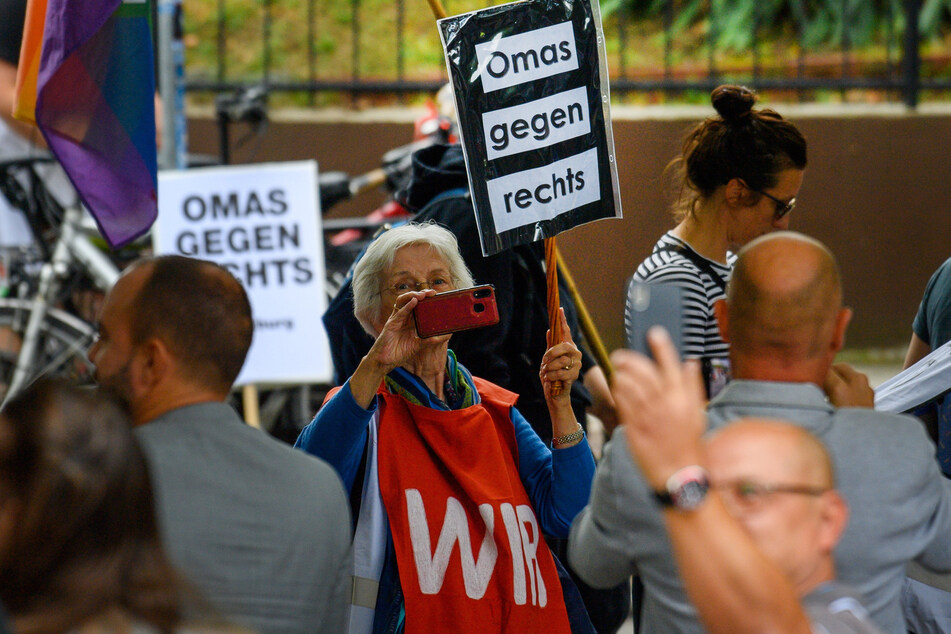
61,351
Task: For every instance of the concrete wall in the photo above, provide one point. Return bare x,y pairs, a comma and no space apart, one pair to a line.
877,191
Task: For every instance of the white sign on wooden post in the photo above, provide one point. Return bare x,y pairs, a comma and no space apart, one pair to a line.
262,223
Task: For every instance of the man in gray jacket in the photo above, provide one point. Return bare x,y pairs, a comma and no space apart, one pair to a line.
260,530
785,323
754,534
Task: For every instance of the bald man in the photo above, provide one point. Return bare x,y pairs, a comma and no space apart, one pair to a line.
785,322
785,303
777,481
754,546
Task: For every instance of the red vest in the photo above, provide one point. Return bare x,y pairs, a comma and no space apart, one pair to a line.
469,549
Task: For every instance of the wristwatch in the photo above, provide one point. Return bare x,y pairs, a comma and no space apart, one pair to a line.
686,489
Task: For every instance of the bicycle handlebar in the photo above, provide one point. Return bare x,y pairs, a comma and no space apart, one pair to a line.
31,197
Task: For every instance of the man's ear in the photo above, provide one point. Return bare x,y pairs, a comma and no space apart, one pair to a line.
151,365
841,325
720,311
835,517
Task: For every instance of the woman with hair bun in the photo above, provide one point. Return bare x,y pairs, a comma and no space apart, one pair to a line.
740,173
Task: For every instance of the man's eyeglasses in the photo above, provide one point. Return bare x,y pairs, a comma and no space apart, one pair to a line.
782,207
748,495
438,284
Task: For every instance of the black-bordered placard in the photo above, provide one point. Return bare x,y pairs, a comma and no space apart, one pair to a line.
532,97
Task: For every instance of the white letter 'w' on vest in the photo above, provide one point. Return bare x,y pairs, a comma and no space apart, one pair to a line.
431,567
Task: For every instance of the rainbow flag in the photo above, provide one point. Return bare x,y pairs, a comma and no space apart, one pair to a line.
95,87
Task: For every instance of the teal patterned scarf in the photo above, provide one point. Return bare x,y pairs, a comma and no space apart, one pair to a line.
459,389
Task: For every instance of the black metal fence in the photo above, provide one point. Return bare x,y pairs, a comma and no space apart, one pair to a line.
892,67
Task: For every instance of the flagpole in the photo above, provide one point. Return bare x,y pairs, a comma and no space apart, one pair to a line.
438,10
171,85
554,303
588,329
251,407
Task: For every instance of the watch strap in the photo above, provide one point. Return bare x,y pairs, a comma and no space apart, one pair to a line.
685,488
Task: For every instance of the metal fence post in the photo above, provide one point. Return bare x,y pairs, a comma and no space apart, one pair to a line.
755,26
355,51
221,37
266,36
846,47
171,83
712,50
668,42
911,64
311,49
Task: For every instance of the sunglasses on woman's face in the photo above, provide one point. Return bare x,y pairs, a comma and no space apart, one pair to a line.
782,207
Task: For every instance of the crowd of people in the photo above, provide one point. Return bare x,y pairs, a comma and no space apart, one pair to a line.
784,320
750,487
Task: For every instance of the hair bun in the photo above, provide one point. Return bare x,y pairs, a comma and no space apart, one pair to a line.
732,102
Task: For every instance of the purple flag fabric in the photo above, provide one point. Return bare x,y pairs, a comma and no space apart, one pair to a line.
95,107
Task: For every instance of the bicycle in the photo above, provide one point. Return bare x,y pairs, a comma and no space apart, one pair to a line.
40,337
45,331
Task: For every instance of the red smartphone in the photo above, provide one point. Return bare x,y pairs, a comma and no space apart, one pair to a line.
457,310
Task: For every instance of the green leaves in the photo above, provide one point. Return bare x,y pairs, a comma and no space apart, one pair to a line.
816,24
934,15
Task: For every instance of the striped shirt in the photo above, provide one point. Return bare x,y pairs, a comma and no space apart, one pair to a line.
701,336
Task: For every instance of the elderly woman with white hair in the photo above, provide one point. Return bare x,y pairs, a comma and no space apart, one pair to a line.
434,457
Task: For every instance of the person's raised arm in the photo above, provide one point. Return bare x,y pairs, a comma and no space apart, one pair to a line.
734,587
562,362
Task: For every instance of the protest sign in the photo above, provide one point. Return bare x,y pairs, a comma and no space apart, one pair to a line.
262,223
531,92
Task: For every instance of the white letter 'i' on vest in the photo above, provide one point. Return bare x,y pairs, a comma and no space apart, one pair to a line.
524,551
431,567
518,559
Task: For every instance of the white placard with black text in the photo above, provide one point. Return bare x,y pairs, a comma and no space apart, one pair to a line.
262,223
531,88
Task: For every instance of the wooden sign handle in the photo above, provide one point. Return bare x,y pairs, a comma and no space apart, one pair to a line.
252,411
554,303
437,8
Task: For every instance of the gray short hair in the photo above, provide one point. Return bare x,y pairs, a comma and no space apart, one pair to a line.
379,257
